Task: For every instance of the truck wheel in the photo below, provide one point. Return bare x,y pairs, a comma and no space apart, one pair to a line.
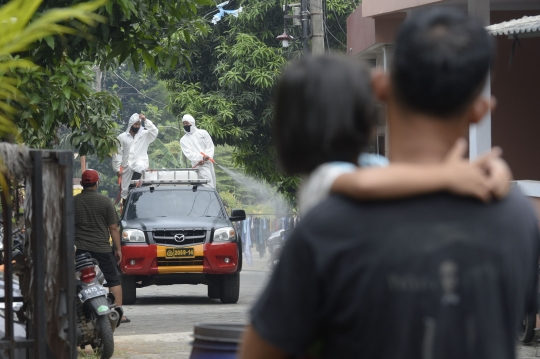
240,258
129,290
526,329
104,337
213,291
229,288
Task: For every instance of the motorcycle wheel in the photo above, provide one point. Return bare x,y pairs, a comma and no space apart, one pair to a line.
526,330
104,337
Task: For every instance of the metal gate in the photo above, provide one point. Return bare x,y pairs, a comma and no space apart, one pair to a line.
46,270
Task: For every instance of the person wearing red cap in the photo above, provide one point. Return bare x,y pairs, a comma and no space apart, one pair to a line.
95,221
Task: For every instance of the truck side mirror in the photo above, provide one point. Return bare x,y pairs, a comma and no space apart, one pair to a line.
237,215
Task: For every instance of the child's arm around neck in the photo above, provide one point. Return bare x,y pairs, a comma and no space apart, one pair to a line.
486,178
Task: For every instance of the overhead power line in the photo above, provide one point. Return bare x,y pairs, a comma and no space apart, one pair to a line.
328,30
140,93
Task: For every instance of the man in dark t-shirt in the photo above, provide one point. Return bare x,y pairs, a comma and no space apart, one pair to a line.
95,222
432,277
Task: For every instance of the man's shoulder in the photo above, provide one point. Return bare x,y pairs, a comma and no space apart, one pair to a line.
94,196
514,206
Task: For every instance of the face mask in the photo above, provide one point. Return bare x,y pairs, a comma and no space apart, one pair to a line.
135,129
187,128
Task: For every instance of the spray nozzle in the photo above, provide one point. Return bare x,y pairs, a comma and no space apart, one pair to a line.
209,158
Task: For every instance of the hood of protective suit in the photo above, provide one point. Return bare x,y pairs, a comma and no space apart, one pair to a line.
134,118
191,120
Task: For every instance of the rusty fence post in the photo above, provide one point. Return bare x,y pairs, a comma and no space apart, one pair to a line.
38,250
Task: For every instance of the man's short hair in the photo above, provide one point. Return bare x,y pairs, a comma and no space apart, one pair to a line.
88,185
441,62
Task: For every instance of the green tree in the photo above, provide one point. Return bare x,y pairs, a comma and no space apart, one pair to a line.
228,85
17,34
139,30
62,104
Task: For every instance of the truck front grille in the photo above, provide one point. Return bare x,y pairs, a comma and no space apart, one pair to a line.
172,237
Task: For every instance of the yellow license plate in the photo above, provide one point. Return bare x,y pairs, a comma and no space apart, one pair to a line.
179,253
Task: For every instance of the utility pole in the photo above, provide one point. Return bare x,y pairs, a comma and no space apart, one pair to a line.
316,13
304,18
300,17
97,85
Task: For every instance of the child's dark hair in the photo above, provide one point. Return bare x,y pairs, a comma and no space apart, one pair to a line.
324,112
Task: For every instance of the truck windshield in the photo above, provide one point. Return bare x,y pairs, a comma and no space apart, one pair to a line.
175,203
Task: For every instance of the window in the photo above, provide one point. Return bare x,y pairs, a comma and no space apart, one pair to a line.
174,203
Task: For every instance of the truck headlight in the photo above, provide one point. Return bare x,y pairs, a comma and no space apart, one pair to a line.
225,234
133,235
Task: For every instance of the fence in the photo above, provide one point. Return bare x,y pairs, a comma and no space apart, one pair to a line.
46,269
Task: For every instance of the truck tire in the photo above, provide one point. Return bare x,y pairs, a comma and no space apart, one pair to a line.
240,257
213,291
129,289
526,330
104,337
229,288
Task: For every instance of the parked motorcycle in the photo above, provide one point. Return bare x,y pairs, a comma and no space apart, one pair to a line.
97,315
17,236
275,245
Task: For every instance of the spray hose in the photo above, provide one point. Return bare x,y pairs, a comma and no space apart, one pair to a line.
120,192
209,158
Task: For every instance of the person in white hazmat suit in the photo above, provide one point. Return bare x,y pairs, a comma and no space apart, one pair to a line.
131,159
193,143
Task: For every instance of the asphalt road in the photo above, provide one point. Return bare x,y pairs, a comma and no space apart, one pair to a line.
163,317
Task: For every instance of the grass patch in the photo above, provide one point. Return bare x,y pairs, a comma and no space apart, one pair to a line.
87,353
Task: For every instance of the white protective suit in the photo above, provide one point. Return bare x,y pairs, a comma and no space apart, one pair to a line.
193,143
132,154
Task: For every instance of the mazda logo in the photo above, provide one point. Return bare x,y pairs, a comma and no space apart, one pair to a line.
179,237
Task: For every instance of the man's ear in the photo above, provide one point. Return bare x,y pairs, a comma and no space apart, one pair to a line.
380,82
480,107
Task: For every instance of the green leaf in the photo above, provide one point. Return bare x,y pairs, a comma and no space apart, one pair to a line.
149,60
109,7
187,37
67,92
50,41
65,80
135,59
204,2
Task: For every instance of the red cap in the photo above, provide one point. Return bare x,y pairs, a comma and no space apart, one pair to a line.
90,176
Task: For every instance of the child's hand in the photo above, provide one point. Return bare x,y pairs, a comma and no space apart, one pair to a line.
498,172
465,178
487,177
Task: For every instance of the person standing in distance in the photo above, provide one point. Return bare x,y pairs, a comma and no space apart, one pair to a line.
193,143
131,159
95,221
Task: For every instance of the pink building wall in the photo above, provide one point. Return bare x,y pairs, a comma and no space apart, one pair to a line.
378,7
360,32
516,121
364,32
